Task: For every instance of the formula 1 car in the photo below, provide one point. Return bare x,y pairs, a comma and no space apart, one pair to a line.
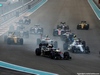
63,26
12,38
36,30
20,27
47,40
24,21
83,26
24,34
61,29
51,52
77,46
67,36
58,32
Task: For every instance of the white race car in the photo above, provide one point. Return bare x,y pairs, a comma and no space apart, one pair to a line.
47,40
77,46
36,30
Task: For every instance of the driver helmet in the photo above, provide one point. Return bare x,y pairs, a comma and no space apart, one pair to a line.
50,45
74,36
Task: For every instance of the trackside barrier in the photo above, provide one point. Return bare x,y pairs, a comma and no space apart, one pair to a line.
24,69
15,13
95,8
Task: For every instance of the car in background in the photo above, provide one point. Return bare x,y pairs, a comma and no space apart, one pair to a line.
24,21
77,46
36,30
53,53
67,36
61,29
63,25
47,40
83,26
24,33
13,39
20,27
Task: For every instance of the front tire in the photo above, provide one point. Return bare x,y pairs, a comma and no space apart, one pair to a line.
38,51
66,55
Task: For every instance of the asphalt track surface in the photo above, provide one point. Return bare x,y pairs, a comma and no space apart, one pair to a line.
48,16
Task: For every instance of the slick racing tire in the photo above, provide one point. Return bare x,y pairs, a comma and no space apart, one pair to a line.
38,51
87,27
21,41
55,33
8,41
78,27
66,55
87,50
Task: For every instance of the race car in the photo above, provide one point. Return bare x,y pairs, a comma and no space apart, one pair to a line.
67,36
20,27
36,30
24,21
63,26
49,51
77,46
12,38
61,29
47,40
83,26
58,32
24,33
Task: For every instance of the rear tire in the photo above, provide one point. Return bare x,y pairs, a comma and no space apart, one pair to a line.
55,33
66,55
87,27
87,50
78,27
8,41
21,41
